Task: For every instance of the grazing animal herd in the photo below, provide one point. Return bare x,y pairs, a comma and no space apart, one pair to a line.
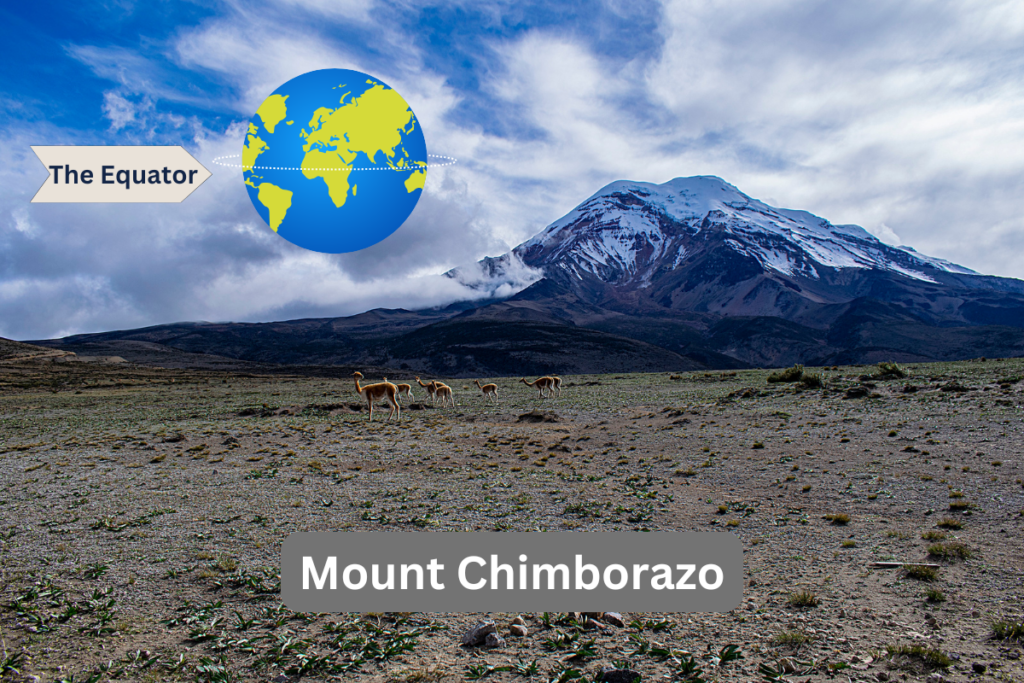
386,391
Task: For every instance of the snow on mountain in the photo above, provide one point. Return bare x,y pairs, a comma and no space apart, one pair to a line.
627,225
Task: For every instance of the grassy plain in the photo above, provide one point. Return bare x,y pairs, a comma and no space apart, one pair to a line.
142,512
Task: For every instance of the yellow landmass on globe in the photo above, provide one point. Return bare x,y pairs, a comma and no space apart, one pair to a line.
277,200
372,123
415,181
323,164
273,111
253,148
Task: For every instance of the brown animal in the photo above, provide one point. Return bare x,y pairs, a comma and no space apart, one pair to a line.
431,388
541,384
444,392
558,384
377,392
405,389
488,389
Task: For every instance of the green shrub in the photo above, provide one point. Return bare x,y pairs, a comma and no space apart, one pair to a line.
890,371
933,659
793,374
811,381
791,638
953,550
921,572
1008,630
803,599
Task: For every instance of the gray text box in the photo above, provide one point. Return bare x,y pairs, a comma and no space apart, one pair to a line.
511,572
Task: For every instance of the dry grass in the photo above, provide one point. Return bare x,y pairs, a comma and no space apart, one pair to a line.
803,599
921,572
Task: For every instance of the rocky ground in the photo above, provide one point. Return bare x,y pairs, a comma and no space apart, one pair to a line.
142,512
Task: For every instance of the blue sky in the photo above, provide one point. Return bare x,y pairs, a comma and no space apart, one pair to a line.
906,118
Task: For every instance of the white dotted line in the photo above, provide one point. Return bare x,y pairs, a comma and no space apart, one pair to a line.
448,161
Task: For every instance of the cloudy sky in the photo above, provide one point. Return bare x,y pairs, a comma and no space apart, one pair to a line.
906,118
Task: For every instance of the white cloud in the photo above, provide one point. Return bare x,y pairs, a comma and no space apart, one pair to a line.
904,116
886,234
119,110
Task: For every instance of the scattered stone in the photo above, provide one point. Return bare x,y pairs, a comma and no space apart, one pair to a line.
519,621
593,625
610,675
281,678
539,416
978,667
494,640
934,678
478,633
787,666
856,392
173,438
518,630
882,676
614,618
592,615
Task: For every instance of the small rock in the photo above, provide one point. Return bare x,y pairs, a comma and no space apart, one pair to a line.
519,621
610,675
593,625
539,416
592,615
494,640
882,676
934,678
842,613
34,679
978,667
282,679
478,633
615,619
975,613
787,665
518,630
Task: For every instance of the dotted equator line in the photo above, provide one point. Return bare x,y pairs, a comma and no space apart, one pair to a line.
446,161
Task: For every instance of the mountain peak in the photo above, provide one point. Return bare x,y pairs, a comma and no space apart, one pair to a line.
628,229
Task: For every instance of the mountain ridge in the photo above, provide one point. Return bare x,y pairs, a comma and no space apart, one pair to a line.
693,267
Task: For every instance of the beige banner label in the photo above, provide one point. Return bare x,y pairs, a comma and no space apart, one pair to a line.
116,174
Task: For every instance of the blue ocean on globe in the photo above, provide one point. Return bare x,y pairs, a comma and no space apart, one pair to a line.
334,160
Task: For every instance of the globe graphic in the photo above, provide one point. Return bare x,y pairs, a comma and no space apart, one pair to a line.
334,160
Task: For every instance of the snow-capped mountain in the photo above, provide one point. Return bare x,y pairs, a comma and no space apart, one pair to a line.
686,275
629,229
699,244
